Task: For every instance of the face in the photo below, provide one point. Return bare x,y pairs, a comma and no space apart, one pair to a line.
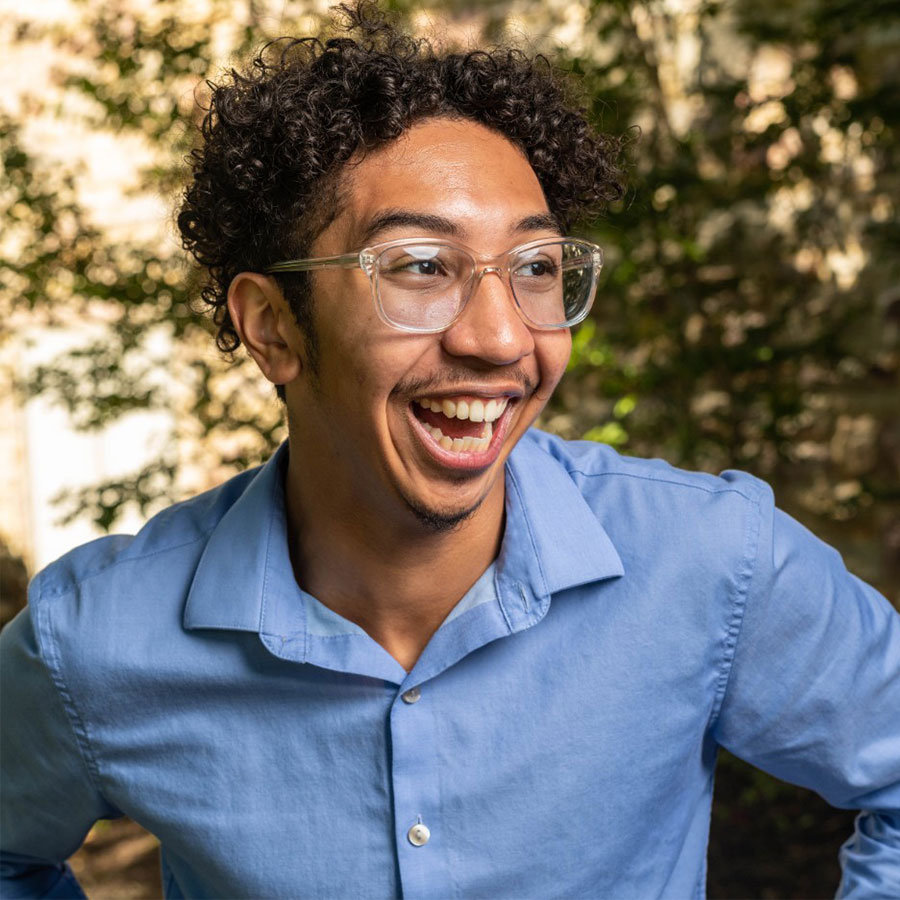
388,421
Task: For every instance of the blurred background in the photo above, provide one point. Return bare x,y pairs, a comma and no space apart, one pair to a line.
748,315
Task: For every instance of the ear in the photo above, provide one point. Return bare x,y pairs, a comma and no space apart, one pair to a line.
265,325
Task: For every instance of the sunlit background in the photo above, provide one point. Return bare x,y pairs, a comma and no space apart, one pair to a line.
748,316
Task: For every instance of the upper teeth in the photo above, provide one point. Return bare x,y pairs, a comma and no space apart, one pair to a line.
474,411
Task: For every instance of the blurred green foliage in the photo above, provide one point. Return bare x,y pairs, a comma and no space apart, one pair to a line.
750,309
752,303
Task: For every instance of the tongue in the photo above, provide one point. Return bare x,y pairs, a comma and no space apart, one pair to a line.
452,428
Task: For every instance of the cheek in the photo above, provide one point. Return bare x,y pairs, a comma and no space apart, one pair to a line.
371,364
552,349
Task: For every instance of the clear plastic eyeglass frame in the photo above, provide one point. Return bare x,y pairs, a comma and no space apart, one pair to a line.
502,265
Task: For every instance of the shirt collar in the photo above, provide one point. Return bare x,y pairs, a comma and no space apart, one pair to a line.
246,557
553,541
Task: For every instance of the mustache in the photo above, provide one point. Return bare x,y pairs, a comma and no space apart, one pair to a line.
451,378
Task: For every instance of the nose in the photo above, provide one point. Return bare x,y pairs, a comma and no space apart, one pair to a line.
490,327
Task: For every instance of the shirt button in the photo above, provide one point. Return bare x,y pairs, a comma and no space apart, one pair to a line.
418,835
412,696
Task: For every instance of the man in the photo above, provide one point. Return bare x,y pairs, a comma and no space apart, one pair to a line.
426,651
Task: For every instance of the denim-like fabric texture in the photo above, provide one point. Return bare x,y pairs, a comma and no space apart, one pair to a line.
571,706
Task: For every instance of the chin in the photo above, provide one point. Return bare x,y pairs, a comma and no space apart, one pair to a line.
441,519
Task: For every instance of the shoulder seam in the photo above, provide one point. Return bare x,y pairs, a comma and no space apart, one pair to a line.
57,591
45,636
723,489
743,579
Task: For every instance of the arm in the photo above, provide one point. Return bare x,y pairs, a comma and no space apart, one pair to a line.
49,799
813,693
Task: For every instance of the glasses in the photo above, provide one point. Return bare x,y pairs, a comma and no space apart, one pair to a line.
422,285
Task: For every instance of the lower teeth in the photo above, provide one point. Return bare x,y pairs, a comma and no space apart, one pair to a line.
463,445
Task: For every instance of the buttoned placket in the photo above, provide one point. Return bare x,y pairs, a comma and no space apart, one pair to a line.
521,598
421,854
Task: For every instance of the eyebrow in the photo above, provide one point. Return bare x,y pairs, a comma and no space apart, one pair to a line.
401,218
540,222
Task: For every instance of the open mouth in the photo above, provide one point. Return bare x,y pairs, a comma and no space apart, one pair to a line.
460,426
468,430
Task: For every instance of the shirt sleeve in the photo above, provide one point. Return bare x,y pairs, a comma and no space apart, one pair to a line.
813,692
49,800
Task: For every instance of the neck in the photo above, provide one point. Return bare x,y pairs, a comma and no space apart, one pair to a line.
395,577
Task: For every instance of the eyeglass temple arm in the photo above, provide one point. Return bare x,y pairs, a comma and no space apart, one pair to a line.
345,261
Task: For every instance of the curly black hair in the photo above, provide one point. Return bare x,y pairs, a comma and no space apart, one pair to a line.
275,137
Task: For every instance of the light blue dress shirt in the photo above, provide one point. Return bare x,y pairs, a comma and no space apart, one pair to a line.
556,738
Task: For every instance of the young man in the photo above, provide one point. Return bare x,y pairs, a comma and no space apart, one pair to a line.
426,651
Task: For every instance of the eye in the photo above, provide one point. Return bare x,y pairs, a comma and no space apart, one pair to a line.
536,268
422,267
416,262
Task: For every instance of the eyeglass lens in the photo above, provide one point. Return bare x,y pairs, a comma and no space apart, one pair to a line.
424,286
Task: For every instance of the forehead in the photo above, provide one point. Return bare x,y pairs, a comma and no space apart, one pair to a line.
455,170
